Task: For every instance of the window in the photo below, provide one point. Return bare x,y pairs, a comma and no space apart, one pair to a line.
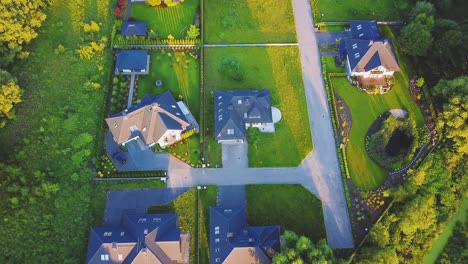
219,97
173,106
120,257
104,257
239,101
145,231
245,115
157,220
359,27
122,233
217,250
218,260
114,245
227,210
216,240
354,46
115,124
230,131
107,233
362,34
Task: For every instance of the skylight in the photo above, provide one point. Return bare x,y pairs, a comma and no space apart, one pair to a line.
354,46
362,34
359,27
356,55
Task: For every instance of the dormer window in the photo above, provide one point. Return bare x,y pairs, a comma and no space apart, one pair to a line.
115,124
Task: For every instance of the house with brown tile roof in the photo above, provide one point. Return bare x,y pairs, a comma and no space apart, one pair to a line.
370,59
158,119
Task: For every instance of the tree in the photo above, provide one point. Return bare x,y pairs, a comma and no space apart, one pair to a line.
422,7
301,250
19,20
453,121
419,82
153,2
416,37
193,32
10,94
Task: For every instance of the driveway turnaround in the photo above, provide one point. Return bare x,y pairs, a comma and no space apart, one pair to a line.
136,202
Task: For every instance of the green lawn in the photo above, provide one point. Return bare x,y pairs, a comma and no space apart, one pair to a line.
207,199
180,74
186,207
334,10
167,21
249,21
290,206
264,68
365,109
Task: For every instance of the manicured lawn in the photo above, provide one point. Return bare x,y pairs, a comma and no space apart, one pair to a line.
207,199
265,68
365,109
333,10
186,207
167,21
249,21
290,206
180,75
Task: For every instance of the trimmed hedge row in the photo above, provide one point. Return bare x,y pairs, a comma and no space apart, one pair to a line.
121,40
138,174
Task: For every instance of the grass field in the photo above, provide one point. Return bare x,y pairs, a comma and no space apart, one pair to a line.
365,109
180,75
207,199
263,68
290,206
334,10
167,21
249,21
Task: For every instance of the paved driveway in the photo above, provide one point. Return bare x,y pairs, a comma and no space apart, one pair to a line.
235,155
136,202
231,196
329,38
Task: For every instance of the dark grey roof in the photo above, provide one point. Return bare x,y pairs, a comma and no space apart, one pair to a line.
229,230
364,29
138,233
131,59
356,49
165,100
134,28
234,108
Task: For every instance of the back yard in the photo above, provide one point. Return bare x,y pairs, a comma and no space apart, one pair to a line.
263,68
334,10
179,74
166,21
281,205
249,21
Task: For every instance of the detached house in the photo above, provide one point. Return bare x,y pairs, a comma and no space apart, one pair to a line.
142,238
132,62
370,59
237,110
233,242
157,119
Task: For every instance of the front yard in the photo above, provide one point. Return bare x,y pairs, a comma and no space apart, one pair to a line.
179,73
166,21
249,21
337,11
365,109
262,68
290,206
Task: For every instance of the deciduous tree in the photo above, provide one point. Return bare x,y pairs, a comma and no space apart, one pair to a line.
10,94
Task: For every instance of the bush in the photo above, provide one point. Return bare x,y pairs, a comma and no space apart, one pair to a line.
230,67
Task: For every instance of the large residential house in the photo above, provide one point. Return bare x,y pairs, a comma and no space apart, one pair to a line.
157,119
232,241
132,62
370,59
142,238
237,110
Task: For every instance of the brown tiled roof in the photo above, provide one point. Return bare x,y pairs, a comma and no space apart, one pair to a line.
247,255
384,52
146,119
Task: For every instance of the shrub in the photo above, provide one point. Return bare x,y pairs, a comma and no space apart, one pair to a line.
230,67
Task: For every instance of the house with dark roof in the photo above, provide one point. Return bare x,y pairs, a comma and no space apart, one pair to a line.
237,110
232,241
134,28
142,238
370,59
132,62
157,119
